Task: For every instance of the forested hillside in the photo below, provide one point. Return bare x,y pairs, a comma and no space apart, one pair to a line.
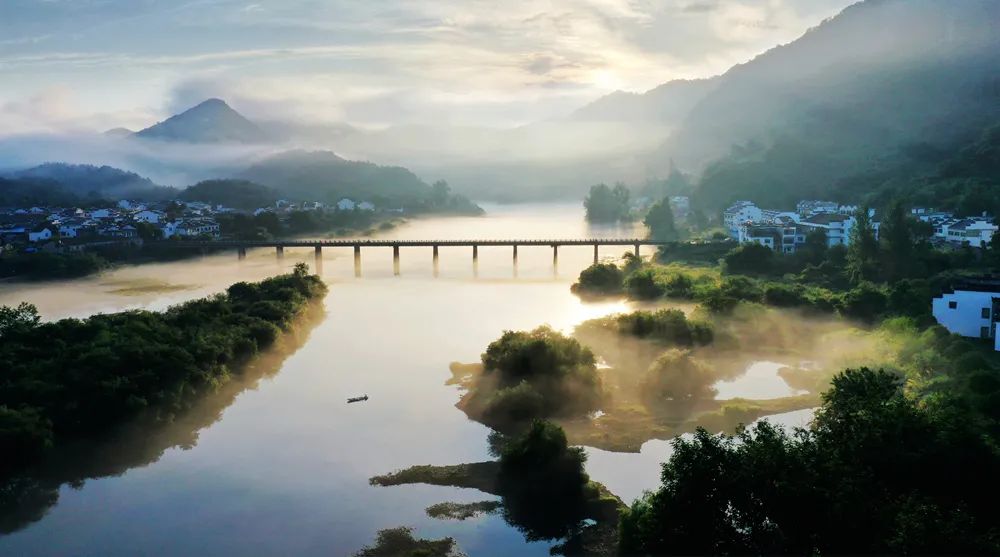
887,85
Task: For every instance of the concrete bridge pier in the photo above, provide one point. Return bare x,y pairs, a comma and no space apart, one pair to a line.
595,254
241,253
280,251
637,250
475,261
436,262
555,261
357,260
395,260
515,254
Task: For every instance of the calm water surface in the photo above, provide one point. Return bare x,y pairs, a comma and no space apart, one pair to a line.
285,470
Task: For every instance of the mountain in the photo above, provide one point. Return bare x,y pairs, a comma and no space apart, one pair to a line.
212,121
86,180
29,192
879,79
119,132
667,104
323,176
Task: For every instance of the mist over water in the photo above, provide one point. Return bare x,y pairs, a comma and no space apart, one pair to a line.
285,468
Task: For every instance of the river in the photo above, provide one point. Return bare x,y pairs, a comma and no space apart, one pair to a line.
285,469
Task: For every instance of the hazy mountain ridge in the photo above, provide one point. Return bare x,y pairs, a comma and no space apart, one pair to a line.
667,103
889,67
212,121
85,180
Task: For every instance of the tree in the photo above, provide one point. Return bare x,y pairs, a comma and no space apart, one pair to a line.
24,316
660,220
440,193
675,377
543,482
862,252
896,235
604,204
749,259
148,231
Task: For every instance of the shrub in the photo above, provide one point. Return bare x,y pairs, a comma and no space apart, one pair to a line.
644,284
749,259
601,279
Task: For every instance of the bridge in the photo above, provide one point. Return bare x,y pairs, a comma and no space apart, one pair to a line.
241,246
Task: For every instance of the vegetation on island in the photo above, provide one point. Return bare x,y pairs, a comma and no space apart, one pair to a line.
399,542
544,490
73,380
605,204
530,375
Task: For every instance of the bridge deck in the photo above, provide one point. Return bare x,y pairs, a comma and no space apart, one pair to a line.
422,243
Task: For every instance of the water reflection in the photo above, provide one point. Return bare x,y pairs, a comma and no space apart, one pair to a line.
27,499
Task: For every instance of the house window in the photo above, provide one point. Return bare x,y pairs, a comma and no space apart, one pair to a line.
986,313
952,305
984,332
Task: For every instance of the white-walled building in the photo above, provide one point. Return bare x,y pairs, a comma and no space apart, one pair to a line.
40,234
366,206
739,214
346,204
977,232
970,310
146,215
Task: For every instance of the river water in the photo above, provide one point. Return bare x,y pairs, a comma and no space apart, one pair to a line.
285,469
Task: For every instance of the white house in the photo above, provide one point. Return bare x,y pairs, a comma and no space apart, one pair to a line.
100,214
69,230
739,214
146,215
970,310
366,206
197,227
836,226
976,232
346,204
40,234
809,207
782,235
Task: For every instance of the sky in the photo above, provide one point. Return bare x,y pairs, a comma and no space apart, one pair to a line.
80,65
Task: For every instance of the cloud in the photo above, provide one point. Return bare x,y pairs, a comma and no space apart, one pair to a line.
372,61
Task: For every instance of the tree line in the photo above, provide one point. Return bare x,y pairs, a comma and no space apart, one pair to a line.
75,379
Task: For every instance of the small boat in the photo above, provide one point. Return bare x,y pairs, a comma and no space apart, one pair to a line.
357,399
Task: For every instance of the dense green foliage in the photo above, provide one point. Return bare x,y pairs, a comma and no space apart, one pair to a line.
604,204
536,374
46,265
399,542
543,482
602,279
238,194
669,326
855,482
73,379
660,221
676,378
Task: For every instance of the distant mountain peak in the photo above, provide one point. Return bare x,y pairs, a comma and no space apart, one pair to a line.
211,121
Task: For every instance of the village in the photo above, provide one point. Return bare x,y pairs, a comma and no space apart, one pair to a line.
785,231
131,222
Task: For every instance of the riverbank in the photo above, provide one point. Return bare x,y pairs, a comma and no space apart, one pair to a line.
134,367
